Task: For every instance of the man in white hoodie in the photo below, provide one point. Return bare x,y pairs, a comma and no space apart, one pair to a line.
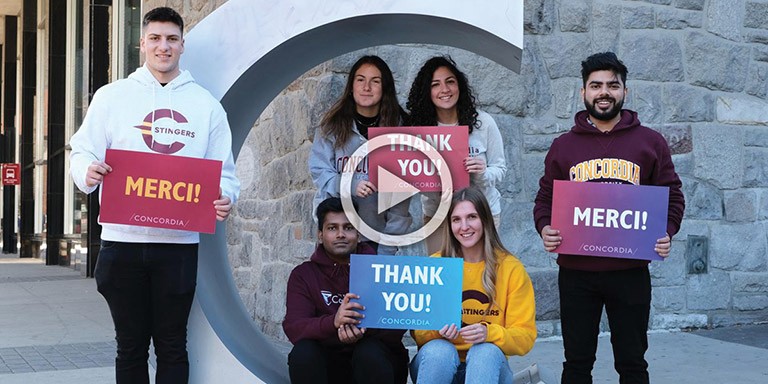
148,275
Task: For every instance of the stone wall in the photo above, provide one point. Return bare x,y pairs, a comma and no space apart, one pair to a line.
698,74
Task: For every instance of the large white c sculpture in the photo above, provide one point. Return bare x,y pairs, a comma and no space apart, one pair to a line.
245,53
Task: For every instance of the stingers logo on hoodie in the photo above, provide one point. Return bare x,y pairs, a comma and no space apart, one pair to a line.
474,304
154,134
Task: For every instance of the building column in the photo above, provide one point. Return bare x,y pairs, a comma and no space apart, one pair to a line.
8,146
30,244
57,253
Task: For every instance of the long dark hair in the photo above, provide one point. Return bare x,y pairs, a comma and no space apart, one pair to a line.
339,120
422,110
491,240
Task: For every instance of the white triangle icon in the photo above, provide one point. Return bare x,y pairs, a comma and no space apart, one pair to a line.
392,190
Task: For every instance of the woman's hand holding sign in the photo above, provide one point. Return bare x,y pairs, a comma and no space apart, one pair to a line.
475,164
365,188
475,333
449,332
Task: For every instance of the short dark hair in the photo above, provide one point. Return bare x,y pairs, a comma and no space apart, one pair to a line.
163,14
604,61
331,204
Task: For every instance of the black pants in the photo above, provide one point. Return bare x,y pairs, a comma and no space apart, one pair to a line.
371,361
149,290
627,298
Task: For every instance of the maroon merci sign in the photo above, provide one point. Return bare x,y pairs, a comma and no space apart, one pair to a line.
161,191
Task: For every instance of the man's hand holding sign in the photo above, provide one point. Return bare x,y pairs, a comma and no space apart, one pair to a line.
160,191
611,220
406,292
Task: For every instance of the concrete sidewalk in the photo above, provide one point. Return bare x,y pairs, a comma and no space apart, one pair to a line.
56,329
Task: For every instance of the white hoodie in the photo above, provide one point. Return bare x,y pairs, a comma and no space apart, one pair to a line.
111,122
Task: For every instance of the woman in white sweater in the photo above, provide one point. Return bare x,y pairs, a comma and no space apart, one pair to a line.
440,95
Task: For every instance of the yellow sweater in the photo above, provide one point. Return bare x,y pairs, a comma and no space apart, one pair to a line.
511,322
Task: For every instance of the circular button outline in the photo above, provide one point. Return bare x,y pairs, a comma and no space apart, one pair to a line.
345,191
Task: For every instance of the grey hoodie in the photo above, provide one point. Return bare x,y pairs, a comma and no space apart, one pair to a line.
326,164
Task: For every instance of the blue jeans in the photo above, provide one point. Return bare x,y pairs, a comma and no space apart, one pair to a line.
438,362
149,290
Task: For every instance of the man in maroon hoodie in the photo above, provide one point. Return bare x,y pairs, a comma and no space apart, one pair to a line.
587,283
321,320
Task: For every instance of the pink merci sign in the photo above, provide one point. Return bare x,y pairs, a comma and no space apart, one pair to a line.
160,191
405,156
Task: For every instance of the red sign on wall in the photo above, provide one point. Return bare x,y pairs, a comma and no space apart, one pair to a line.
11,174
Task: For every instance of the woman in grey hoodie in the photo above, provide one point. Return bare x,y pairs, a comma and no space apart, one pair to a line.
369,100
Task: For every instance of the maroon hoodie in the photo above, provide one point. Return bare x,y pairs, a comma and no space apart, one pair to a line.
650,161
315,290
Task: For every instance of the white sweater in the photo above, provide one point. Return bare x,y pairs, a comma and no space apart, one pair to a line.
113,120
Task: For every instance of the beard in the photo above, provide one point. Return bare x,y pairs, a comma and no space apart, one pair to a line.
607,115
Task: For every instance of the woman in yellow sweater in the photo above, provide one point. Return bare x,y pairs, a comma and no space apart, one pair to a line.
498,308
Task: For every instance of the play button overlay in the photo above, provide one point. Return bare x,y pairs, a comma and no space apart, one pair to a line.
394,190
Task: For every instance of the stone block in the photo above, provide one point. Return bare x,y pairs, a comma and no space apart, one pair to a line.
645,52
756,36
671,271
683,163
662,2
574,16
750,303
702,200
735,318
566,94
756,137
645,99
606,27
756,15
546,126
668,299
547,328
757,84
736,247
533,164
678,137
678,321
638,17
756,167
547,294
745,282
763,206
695,5
687,104
708,292
562,54
538,143
538,16
519,235
760,53
296,206
741,110
678,19
528,94
718,153
724,18
716,63
740,205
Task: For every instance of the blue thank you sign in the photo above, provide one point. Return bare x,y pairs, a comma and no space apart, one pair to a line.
407,292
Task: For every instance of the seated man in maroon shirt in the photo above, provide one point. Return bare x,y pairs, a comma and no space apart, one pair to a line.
321,321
